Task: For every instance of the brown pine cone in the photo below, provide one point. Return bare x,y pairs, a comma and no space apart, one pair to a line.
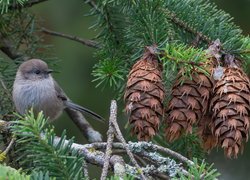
231,107
189,103
144,95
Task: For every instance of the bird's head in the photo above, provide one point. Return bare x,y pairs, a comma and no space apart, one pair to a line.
34,69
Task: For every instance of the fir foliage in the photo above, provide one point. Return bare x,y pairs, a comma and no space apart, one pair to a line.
38,151
141,23
4,4
200,171
175,56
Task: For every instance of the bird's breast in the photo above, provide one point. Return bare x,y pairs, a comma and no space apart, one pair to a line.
40,95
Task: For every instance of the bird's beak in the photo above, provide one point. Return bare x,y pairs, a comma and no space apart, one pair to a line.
49,71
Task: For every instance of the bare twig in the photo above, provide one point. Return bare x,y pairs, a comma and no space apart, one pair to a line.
110,139
123,141
84,126
27,4
86,42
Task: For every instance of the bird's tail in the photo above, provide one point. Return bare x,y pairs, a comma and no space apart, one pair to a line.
86,111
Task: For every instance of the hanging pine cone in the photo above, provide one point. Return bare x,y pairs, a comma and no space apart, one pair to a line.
205,133
188,104
231,107
144,95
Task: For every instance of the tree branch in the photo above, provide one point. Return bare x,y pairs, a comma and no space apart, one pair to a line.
85,42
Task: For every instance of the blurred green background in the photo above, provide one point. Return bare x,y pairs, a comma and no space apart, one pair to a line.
76,64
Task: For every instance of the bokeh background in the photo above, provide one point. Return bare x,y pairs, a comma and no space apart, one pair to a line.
76,63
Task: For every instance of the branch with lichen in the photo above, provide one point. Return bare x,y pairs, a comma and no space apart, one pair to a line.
159,159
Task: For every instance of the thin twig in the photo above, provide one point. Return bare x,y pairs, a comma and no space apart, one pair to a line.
123,141
86,42
110,139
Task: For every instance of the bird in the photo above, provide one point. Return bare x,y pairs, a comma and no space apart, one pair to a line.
34,87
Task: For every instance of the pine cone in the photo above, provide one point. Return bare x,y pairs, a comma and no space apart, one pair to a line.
188,104
209,141
144,96
231,107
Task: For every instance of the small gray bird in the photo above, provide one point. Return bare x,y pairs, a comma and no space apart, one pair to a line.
34,87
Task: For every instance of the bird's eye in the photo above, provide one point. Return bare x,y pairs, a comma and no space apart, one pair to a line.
37,71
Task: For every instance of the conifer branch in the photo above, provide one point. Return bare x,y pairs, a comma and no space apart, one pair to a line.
186,27
26,5
85,42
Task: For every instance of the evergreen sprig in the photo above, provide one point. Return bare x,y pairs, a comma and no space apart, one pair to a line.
176,56
202,16
4,4
37,150
128,26
200,171
109,71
